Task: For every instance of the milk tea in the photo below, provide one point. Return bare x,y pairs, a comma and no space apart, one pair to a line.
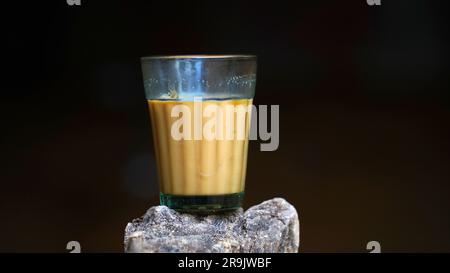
200,166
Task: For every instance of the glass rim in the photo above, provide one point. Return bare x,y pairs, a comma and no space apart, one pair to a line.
199,56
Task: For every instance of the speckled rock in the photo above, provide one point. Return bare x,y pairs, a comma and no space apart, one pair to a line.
271,226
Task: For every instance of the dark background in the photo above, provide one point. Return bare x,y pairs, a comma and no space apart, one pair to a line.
364,116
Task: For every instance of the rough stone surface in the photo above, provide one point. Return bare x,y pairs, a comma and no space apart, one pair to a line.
271,226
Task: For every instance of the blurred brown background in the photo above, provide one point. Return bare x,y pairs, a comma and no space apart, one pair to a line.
364,113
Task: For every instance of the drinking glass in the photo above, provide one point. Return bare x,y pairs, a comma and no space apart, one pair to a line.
200,109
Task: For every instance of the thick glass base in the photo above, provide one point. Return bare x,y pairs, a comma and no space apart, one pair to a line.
202,203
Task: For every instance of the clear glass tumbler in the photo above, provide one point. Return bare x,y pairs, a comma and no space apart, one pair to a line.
200,109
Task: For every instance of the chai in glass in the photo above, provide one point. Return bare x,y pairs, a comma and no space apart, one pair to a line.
201,124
